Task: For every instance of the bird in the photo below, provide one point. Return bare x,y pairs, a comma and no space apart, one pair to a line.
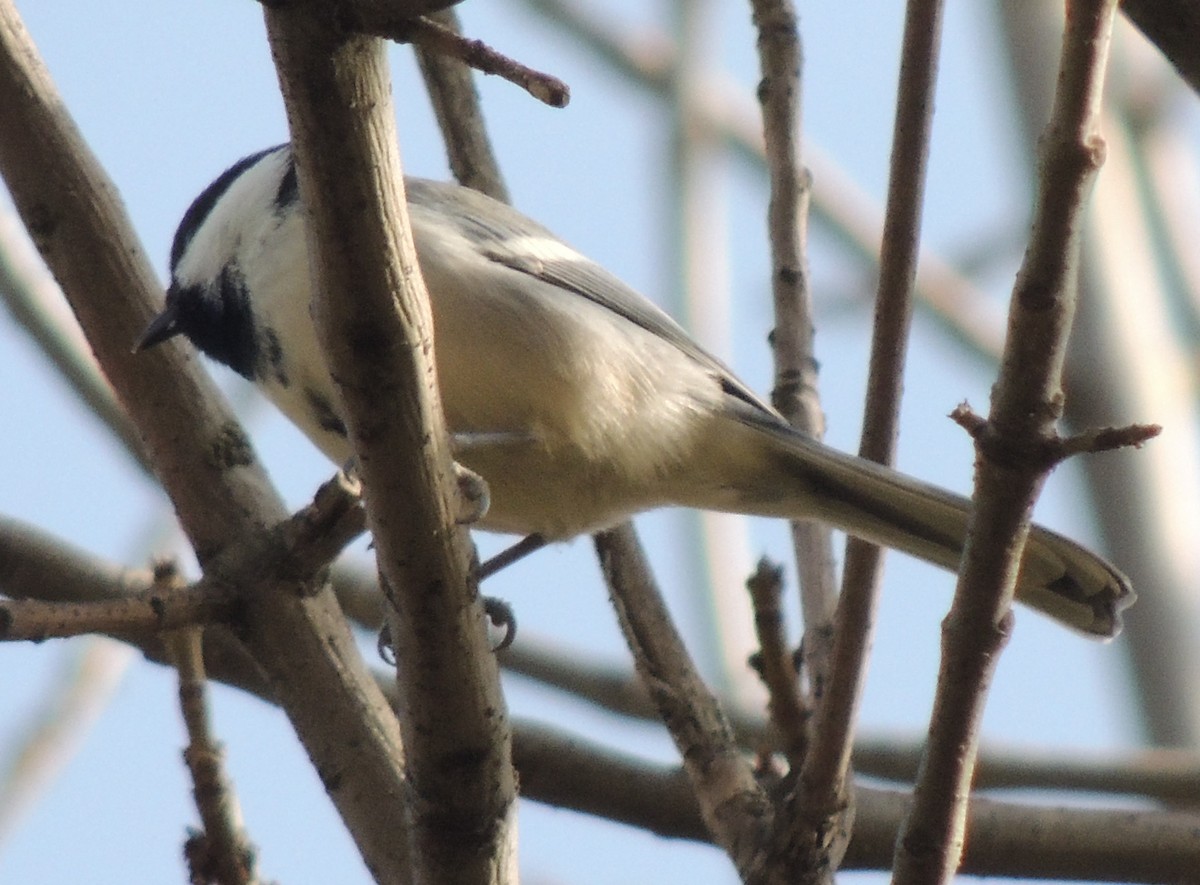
576,399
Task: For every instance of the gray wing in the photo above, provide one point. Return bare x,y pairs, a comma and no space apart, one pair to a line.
507,237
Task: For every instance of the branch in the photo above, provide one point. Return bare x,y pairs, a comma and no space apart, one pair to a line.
736,810
147,613
432,28
826,769
776,663
221,853
1025,407
198,451
134,602
455,100
372,317
1007,838
432,36
795,391
571,772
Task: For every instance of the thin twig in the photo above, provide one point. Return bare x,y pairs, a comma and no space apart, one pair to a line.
795,391
1056,448
221,853
1026,405
777,664
433,36
826,769
33,620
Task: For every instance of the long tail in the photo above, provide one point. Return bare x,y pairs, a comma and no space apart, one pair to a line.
803,479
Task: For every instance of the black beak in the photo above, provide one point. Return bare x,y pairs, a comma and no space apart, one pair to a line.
161,328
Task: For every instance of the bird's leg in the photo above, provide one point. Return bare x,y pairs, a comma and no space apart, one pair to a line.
519,550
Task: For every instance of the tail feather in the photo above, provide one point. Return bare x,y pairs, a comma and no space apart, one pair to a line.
1058,576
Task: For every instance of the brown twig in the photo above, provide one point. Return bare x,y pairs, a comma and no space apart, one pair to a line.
795,391
373,321
433,36
1054,448
776,663
221,853
826,769
295,550
34,620
1129,357
1026,404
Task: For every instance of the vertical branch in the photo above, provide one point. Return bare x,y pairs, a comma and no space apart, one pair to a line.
795,391
372,316
1012,447
827,766
1127,359
220,853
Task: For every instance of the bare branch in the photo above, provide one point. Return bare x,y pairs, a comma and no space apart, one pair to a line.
455,99
735,809
372,317
221,853
433,37
1026,404
1007,838
199,452
777,664
572,772
1056,448
34,620
795,391
826,769
294,550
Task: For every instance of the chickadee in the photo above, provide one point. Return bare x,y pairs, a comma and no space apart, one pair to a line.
577,400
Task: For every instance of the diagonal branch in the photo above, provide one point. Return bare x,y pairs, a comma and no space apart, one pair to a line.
198,451
735,809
